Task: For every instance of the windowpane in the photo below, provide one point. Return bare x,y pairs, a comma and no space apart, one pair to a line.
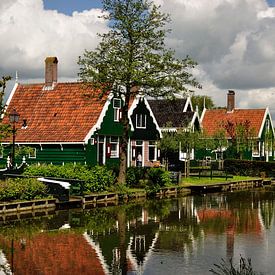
114,141
117,103
141,121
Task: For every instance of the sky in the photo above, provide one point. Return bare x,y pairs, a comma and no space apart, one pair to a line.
233,42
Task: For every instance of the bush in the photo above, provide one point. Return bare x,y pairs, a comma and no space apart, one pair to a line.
135,175
22,189
96,179
249,168
157,178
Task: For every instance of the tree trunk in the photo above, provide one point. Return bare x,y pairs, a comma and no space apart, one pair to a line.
124,142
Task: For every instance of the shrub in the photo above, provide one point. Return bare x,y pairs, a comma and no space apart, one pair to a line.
96,179
157,178
249,168
22,189
135,175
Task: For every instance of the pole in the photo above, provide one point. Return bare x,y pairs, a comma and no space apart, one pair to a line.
13,147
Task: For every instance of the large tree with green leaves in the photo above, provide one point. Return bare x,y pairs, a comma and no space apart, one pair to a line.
5,129
132,57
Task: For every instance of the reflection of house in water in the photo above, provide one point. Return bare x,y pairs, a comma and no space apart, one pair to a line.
141,235
53,253
218,221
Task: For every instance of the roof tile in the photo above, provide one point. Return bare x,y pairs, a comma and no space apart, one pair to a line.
63,114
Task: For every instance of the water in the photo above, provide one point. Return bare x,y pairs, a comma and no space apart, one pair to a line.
175,236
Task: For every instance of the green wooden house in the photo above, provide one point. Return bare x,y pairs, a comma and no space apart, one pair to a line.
256,122
68,123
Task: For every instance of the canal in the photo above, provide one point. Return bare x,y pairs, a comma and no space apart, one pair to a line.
186,235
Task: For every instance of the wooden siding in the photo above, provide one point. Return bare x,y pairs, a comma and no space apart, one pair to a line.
150,132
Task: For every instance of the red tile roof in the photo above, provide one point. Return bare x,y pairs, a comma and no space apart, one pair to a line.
213,119
63,114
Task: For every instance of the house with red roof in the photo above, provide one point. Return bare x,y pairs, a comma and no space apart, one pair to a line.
173,116
70,122
254,124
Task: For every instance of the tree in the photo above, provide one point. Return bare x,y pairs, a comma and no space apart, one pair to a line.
5,129
132,57
242,135
202,101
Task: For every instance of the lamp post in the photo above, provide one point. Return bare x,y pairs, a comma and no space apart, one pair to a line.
13,117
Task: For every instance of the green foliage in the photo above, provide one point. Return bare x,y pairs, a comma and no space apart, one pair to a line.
135,175
157,178
249,168
202,101
21,151
242,135
96,179
22,189
224,268
133,55
5,129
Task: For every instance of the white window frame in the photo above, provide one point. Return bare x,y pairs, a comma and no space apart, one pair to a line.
140,118
254,153
152,145
116,107
1,152
114,141
32,156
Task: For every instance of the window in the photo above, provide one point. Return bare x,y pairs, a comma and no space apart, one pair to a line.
256,149
32,153
141,121
117,106
114,145
152,150
117,103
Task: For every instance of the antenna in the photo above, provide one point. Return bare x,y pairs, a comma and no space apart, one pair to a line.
16,77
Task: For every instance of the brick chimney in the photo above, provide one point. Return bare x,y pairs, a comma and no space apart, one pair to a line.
50,72
230,101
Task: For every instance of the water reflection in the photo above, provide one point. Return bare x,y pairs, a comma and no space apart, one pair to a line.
184,235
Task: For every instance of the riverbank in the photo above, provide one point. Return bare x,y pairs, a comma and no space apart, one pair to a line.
13,209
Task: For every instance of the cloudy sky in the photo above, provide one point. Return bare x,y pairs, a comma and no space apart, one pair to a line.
232,40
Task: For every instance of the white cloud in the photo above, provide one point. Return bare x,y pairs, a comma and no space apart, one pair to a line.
28,34
233,41
234,44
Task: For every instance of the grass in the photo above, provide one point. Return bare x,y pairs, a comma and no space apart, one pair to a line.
207,181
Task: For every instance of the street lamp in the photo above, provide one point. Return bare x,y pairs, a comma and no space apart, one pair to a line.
13,117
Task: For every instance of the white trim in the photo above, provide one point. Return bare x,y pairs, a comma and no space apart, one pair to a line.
202,115
192,123
263,123
117,147
34,155
46,143
188,102
140,121
10,97
97,249
169,129
134,105
100,119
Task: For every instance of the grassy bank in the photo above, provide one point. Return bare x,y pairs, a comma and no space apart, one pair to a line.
207,181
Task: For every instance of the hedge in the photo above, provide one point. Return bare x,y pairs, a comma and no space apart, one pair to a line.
249,168
96,179
22,189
